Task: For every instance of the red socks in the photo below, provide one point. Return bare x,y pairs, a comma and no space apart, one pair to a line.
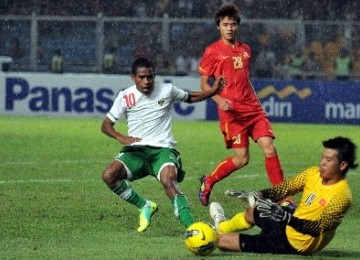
274,170
224,169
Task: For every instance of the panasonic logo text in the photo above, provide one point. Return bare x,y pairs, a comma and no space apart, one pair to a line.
21,95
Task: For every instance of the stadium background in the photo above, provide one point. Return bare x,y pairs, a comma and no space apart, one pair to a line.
174,33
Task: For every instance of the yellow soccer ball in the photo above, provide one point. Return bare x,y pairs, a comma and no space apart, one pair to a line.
201,238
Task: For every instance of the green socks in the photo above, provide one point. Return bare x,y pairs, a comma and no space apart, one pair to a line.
182,210
125,192
180,203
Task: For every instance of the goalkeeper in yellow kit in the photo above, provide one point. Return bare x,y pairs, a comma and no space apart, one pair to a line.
326,197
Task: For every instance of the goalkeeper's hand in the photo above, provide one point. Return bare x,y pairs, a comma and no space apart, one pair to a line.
250,196
268,209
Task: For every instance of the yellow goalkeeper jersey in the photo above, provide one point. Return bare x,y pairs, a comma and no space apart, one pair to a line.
319,213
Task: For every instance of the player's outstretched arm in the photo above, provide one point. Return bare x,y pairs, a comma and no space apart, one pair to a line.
107,127
197,96
223,103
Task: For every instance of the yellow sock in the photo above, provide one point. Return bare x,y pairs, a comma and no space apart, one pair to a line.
236,224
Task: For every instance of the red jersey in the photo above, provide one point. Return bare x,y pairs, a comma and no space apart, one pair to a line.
234,64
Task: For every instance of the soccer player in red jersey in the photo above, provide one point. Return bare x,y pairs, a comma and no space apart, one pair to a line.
240,112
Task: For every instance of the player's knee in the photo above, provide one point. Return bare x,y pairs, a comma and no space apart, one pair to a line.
249,217
109,177
106,176
168,176
114,173
267,146
241,161
269,150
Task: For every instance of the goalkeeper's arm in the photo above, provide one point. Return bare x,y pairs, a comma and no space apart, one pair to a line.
329,219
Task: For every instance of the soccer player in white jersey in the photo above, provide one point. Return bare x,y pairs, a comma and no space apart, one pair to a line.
149,146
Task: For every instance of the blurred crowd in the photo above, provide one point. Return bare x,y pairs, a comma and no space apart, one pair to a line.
327,61
275,50
276,56
252,9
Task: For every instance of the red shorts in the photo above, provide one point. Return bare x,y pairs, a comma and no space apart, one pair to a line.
237,133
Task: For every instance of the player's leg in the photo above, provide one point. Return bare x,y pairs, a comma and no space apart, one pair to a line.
181,206
274,242
263,134
229,242
272,238
235,137
272,163
169,171
115,176
240,222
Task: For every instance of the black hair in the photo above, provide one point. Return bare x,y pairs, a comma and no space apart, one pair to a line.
227,10
346,150
141,63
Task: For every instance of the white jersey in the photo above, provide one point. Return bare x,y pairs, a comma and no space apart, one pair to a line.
148,116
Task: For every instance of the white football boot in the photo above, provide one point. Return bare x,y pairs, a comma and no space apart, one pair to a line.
217,213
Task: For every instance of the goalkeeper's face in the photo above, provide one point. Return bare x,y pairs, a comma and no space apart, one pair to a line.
330,167
144,79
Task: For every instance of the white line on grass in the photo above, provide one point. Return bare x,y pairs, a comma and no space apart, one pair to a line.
43,181
55,162
49,181
105,162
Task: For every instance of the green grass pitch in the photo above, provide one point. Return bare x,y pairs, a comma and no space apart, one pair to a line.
54,205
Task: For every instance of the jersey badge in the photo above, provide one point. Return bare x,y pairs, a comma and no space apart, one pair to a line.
323,202
309,200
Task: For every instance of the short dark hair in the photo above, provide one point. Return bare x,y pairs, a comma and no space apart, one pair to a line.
141,63
229,10
346,150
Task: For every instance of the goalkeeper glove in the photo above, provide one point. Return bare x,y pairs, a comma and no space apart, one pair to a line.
250,196
268,209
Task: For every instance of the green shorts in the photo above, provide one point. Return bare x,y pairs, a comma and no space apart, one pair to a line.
141,161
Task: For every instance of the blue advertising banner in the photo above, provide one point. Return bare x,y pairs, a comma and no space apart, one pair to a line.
82,95
79,95
330,102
